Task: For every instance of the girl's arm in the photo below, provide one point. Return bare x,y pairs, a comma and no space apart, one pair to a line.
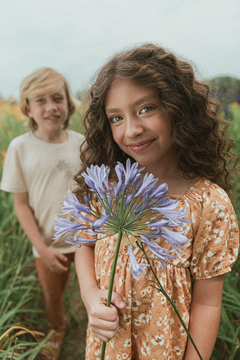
51,257
103,320
204,316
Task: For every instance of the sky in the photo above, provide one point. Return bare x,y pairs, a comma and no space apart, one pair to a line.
76,37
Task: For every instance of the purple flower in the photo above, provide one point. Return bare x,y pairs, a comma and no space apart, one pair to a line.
168,210
97,177
160,192
175,239
72,204
79,217
130,172
86,199
137,269
129,199
161,253
63,225
78,241
132,206
159,223
100,222
147,184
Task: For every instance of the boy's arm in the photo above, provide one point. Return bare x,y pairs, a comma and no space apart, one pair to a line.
103,320
51,257
205,316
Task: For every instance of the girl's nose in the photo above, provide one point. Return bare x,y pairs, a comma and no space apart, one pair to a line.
134,127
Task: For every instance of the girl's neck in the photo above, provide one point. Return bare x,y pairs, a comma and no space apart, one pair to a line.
54,137
173,176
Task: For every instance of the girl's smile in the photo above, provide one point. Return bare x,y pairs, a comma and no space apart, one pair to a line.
139,125
140,146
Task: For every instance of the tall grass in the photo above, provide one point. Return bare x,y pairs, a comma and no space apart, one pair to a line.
228,342
21,302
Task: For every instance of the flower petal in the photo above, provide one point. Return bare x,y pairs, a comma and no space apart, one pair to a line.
71,203
137,269
161,253
100,222
61,226
78,241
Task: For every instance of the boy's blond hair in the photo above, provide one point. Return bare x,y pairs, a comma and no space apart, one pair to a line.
44,81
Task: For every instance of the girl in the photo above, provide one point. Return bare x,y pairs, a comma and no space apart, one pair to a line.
39,169
147,105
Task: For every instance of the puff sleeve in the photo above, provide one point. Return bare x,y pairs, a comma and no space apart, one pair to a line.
13,178
216,242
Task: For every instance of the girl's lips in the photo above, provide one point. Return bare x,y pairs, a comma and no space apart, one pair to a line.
141,146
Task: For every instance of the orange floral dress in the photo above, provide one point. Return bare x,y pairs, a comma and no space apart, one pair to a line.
149,328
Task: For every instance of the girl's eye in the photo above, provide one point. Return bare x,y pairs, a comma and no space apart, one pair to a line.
146,109
115,119
40,100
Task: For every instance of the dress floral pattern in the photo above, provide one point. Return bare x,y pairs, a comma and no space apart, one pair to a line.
149,328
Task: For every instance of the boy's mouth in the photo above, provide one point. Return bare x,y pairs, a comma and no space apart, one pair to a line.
52,118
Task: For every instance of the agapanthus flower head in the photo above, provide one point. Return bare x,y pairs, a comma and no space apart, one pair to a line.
135,205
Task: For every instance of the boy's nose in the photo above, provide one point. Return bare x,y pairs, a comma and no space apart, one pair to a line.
51,105
134,127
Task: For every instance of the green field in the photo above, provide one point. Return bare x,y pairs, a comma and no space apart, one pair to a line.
21,303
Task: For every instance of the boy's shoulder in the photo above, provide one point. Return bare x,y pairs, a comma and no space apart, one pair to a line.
22,139
75,134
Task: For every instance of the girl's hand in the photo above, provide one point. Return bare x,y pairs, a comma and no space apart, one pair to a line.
53,260
104,320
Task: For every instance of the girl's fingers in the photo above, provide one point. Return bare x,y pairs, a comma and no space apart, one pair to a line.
102,313
104,320
104,336
104,329
117,301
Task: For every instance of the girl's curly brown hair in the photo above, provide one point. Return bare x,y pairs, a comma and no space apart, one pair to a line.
198,131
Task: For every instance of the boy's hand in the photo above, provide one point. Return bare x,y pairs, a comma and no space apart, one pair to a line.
54,260
104,320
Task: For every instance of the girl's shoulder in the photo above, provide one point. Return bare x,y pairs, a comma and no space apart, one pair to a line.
209,202
206,192
214,229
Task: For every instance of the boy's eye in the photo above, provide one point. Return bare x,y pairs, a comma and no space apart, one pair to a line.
41,100
115,119
146,109
58,99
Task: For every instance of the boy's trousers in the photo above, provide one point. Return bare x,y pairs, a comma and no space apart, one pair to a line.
53,285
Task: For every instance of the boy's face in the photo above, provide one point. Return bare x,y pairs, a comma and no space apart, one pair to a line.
49,111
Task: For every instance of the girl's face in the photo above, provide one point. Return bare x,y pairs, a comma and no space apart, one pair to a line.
49,111
139,125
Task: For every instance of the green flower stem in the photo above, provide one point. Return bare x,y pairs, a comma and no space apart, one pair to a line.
169,299
111,283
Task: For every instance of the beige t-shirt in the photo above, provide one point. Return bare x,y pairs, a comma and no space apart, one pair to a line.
45,171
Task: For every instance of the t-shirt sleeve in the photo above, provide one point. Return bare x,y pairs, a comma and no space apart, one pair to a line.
216,244
13,177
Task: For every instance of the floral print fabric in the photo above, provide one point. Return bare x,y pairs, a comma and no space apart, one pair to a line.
149,328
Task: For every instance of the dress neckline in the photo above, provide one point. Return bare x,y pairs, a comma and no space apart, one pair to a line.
189,191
